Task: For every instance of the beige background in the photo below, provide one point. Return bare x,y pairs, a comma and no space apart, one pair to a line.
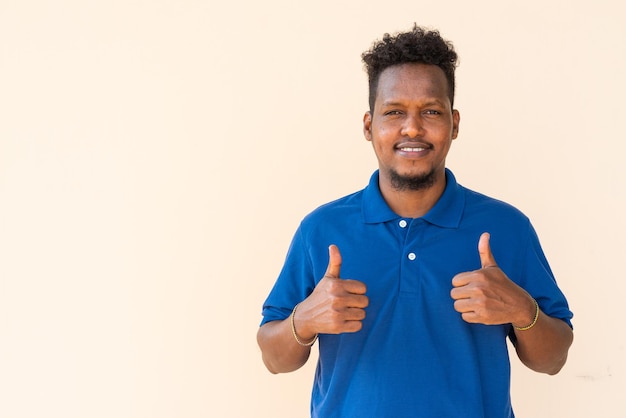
156,157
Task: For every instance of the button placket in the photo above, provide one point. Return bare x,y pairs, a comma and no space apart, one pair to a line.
410,271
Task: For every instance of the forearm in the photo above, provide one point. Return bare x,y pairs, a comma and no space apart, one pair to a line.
281,353
544,347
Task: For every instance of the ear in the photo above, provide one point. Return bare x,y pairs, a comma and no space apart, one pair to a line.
367,126
456,119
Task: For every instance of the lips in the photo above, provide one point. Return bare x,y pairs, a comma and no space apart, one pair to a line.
413,147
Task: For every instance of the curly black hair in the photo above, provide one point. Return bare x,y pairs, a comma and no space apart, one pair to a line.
418,45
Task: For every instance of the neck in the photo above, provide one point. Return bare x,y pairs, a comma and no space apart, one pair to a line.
412,203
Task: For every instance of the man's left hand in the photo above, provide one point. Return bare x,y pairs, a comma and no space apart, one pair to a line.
487,296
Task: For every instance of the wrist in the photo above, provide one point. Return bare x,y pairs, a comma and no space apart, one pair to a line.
303,342
529,324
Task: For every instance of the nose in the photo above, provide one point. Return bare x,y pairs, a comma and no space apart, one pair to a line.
412,127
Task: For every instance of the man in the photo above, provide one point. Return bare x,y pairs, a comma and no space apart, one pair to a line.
414,283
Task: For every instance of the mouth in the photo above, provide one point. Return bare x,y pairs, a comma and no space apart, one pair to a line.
413,149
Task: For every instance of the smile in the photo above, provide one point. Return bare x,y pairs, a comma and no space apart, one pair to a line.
411,149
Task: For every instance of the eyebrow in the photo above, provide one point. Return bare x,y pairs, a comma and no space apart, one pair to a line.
427,102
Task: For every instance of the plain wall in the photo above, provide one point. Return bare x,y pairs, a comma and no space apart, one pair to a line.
157,156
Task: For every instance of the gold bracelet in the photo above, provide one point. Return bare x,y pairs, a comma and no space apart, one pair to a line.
293,330
532,324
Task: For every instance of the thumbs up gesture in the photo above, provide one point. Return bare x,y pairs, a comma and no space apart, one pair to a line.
333,270
335,306
487,296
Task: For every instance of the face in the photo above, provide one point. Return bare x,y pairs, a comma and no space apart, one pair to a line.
411,126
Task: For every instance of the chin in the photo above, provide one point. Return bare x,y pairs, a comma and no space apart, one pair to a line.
412,181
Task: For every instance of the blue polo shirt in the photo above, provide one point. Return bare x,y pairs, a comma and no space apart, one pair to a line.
415,356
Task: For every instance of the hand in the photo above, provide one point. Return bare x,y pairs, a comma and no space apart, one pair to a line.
335,306
487,296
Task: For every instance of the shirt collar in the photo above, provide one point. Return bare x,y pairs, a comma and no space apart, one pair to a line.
446,213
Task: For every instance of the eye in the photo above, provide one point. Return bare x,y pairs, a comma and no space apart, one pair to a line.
432,112
393,113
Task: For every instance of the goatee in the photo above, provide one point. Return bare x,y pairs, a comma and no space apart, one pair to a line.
416,182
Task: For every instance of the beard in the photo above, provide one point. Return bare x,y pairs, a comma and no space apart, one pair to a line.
413,183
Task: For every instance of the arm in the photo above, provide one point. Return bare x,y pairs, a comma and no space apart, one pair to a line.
488,296
280,351
543,348
335,306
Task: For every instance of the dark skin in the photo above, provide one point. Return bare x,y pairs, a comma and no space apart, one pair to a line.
411,129
335,306
487,296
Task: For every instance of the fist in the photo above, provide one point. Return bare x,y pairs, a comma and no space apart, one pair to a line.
335,306
487,296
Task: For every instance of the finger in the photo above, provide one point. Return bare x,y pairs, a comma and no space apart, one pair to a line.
471,317
461,279
355,314
484,250
461,305
352,326
458,293
334,262
354,286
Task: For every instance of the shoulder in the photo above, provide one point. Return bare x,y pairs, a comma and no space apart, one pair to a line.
496,216
480,204
335,210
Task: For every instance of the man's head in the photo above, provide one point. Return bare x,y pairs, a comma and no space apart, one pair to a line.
411,122
416,46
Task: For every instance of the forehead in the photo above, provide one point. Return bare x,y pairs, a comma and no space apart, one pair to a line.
412,81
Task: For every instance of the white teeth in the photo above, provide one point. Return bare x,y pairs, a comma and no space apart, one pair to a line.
412,149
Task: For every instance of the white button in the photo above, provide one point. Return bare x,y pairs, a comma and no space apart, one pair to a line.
402,224
412,256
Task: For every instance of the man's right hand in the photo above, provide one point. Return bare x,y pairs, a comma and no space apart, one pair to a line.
335,306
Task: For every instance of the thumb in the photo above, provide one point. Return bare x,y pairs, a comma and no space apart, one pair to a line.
484,250
334,262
